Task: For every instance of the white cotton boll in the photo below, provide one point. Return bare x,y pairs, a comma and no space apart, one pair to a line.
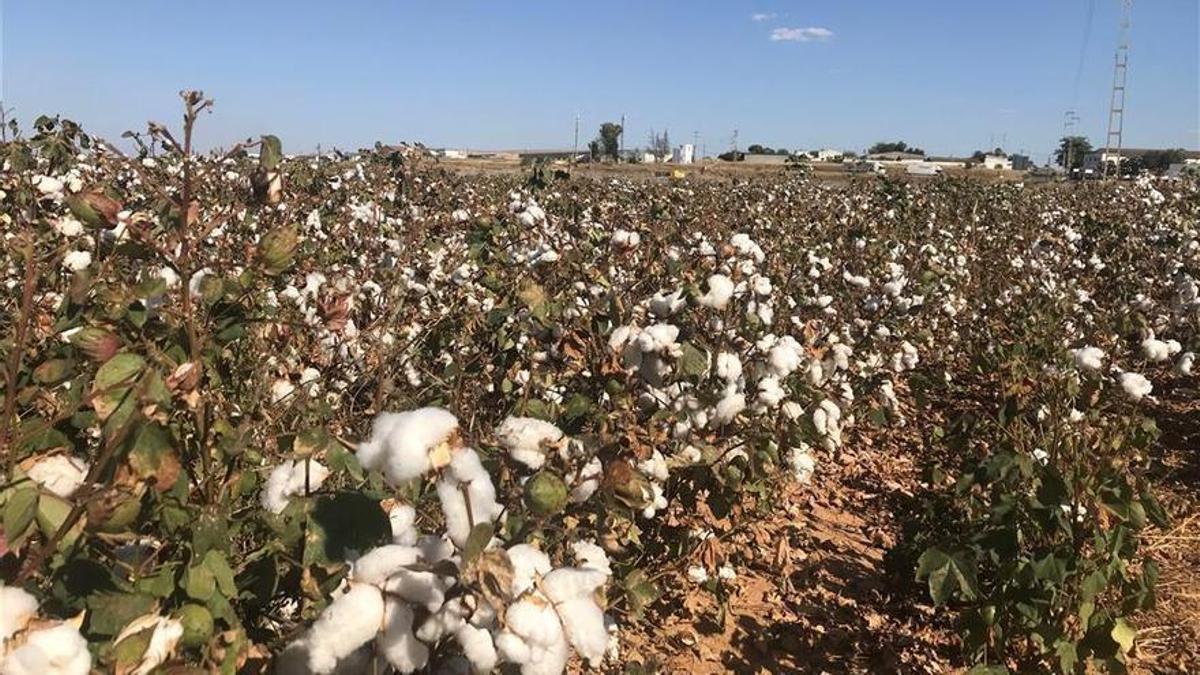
163,640
1135,385
403,519
77,260
59,650
568,583
729,407
289,479
47,186
802,462
587,481
729,366
1088,358
664,305
434,549
477,647
451,616
761,285
697,574
1155,350
792,410
655,466
626,239
59,474
281,390
19,607
770,393
466,470
527,439
658,338
785,357
1184,365
815,373
583,621
68,226
841,354
591,556
534,620
855,280
460,215
528,564
720,290
397,643
400,444
348,623
656,500
383,562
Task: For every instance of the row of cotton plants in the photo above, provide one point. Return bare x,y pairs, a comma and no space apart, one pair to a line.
352,411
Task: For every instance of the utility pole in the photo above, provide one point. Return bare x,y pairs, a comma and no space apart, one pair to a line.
575,149
622,152
735,132
1069,156
1116,106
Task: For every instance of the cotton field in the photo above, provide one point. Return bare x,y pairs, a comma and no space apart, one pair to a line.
360,414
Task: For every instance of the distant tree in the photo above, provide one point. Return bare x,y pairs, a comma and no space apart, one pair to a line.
757,149
782,151
732,156
609,140
659,144
1073,147
894,146
1161,160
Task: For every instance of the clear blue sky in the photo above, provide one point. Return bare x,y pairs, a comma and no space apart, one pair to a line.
949,75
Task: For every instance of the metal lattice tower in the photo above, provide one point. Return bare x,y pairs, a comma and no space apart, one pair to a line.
1116,107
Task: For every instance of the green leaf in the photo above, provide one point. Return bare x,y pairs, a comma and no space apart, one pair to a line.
110,612
20,508
342,523
113,388
640,591
270,153
1068,656
985,669
946,574
1123,634
152,457
199,582
693,361
219,567
477,540
160,584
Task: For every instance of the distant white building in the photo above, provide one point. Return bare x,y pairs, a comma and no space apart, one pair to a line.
684,154
827,155
649,157
997,163
454,154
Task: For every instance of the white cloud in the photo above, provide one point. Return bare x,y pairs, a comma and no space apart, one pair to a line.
810,34
762,17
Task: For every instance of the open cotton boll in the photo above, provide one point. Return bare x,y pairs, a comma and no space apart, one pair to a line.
77,260
19,607
382,562
656,500
403,519
1155,350
1135,385
288,479
1184,365
408,444
729,407
1088,358
163,640
659,338
663,305
729,366
655,466
59,474
720,290
855,280
590,556
785,356
527,439
346,624
59,650
467,472
528,564
585,483
571,590
445,621
802,461
769,392
397,644
477,647
534,638
626,239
